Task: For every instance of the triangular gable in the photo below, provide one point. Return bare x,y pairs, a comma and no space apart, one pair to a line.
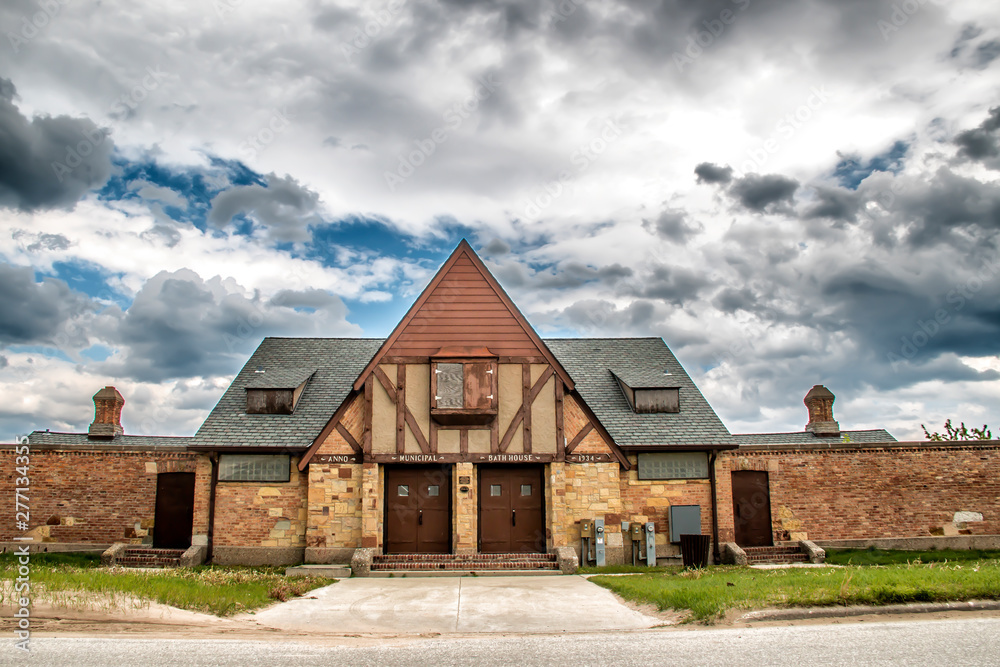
463,306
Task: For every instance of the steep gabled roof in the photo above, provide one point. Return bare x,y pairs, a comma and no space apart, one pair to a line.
336,362
590,360
463,306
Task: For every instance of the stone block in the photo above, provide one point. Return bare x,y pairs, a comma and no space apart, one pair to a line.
361,562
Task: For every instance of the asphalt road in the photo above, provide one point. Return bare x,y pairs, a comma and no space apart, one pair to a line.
974,641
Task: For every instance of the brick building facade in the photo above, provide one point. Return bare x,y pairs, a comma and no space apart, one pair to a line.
464,432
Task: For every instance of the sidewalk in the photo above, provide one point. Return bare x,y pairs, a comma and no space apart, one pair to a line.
458,604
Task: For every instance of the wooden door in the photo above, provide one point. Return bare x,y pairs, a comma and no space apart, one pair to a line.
417,510
511,510
752,508
174,510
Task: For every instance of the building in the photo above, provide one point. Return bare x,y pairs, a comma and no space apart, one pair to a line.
464,432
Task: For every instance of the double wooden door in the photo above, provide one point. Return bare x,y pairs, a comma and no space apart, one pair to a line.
417,510
511,509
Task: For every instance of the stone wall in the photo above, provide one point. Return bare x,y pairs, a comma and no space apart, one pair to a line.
857,491
99,494
333,528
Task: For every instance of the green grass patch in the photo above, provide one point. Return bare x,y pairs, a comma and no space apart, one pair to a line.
627,569
708,594
82,560
218,590
874,556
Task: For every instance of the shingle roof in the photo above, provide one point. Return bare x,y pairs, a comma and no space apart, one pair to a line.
279,378
807,437
124,441
589,360
338,362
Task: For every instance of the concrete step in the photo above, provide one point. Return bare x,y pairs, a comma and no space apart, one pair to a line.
319,570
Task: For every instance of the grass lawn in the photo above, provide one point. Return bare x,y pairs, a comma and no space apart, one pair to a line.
882,557
708,594
218,590
627,569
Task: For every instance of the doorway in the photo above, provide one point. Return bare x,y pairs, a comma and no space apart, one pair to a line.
417,510
511,509
174,516
752,508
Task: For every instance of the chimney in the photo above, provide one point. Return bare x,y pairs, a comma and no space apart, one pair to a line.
820,400
107,415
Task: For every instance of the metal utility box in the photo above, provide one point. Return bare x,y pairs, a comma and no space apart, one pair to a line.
599,542
635,531
586,528
684,520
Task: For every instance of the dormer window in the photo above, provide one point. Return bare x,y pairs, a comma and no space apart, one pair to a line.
463,386
647,392
277,391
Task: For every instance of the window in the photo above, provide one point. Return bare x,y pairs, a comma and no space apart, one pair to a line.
673,465
494,489
403,490
463,392
254,468
433,491
526,489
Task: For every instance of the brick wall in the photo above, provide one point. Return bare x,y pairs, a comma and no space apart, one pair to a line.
251,514
863,491
95,496
650,500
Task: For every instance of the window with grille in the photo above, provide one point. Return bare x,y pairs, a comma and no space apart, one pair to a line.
254,468
673,465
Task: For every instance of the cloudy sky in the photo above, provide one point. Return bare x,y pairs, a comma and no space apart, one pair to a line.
789,193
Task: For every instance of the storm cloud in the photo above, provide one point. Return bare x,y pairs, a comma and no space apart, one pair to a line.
46,161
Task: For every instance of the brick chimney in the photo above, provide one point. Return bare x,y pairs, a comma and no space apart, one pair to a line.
820,400
107,414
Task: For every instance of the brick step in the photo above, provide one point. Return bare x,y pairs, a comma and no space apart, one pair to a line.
144,551
478,565
150,557
148,562
785,558
464,558
772,550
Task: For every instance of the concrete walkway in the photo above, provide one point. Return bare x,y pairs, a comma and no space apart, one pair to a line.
457,605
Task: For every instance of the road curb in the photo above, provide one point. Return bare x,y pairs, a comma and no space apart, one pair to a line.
864,610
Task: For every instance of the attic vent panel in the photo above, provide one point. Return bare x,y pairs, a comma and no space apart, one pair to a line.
450,386
657,400
645,392
270,401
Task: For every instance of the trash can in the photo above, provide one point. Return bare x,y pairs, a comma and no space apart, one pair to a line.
694,550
